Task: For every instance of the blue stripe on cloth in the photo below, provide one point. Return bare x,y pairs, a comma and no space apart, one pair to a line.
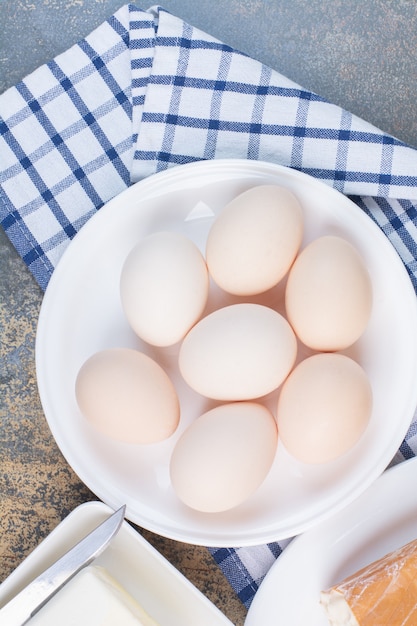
27,165
118,95
245,579
342,146
61,176
267,128
142,43
236,87
367,177
387,157
140,64
398,221
166,157
174,105
247,128
275,548
27,245
50,94
408,448
76,169
120,29
216,102
237,574
64,183
299,133
187,42
257,113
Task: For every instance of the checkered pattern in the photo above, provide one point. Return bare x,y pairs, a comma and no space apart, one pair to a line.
146,91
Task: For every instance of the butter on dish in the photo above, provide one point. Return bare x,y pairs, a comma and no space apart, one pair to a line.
383,593
95,598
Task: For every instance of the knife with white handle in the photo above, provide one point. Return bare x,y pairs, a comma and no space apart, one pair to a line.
33,597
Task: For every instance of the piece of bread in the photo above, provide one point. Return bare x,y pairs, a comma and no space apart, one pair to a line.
383,593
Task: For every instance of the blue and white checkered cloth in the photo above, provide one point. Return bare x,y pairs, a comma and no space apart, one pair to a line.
146,91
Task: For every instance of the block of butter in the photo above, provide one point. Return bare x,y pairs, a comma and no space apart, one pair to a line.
383,593
95,598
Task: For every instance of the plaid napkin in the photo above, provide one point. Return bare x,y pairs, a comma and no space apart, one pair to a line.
146,91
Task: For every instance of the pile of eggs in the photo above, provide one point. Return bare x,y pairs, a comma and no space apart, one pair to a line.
239,353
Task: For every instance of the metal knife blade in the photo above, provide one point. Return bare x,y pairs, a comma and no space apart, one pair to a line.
33,597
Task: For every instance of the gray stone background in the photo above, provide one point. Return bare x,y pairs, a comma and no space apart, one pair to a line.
360,54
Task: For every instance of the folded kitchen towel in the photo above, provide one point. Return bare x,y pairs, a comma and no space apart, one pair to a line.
146,91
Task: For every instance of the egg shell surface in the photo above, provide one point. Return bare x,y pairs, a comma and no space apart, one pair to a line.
328,295
224,456
164,287
254,240
324,407
127,396
239,352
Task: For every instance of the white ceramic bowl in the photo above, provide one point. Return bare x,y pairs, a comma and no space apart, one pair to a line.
81,314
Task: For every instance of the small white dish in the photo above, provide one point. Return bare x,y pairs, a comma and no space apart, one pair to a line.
378,522
81,313
140,569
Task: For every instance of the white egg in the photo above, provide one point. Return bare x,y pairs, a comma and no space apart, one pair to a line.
127,396
164,287
324,407
224,456
254,240
238,352
328,295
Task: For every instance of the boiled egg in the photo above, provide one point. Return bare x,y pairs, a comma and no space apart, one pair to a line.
223,457
127,396
164,287
254,240
324,407
328,296
238,352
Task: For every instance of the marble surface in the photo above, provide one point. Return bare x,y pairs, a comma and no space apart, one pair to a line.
359,54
